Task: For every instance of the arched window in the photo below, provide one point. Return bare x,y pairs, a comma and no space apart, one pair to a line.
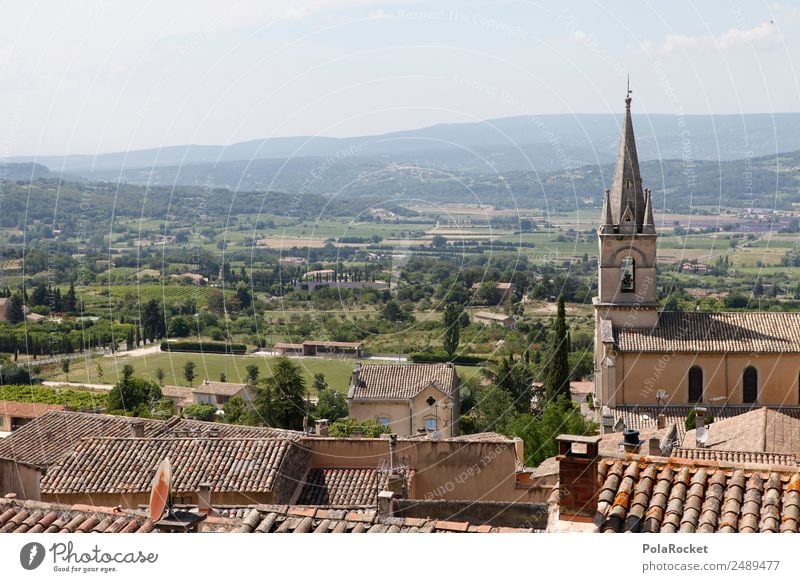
627,276
695,384
749,385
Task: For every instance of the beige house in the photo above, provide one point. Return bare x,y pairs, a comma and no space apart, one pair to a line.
13,415
218,393
720,358
489,318
409,398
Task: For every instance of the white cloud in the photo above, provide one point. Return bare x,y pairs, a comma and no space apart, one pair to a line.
765,34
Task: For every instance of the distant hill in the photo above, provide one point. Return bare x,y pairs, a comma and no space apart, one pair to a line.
525,143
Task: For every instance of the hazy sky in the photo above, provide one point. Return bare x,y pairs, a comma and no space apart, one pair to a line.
100,76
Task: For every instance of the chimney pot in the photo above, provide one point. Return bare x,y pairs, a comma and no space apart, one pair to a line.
321,427
661,421
578,460
385,503
630,441
137,429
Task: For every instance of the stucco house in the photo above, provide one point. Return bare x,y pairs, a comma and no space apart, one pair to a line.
409,398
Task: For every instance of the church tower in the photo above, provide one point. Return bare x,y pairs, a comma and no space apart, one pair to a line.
626,260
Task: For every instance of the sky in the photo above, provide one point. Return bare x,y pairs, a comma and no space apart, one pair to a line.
101,75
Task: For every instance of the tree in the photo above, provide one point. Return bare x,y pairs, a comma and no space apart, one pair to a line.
515,378
133,395
280,402
331,405
252,373
392,312
438,241
15,313
160,376
201,411
493,411
70,301
39,295
65,367
243,294
153,321
180,326
345,427
320,383
452,328
235,410
188,371
557,374
100,371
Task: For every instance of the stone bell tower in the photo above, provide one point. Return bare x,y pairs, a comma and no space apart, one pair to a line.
626,261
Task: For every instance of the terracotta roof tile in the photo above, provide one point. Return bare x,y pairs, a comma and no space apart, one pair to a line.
127,465
402,381
37,517
27,409
714,332
343,486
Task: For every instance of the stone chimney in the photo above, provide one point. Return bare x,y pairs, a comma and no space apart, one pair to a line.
392,452
137,429
606,421
631,442
699,426
321,427
204,498
654,447
661,421
386,503
356,378
578,458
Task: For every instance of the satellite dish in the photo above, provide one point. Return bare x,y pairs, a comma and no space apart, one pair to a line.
161,492
436,435
661,395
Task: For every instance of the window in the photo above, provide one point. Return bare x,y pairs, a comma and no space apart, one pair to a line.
431,424
383,420
695,384
627,280
749,385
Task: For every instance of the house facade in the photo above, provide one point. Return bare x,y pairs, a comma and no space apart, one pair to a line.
408,398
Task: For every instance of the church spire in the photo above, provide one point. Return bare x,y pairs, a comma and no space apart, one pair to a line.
608,221
649,226
626,186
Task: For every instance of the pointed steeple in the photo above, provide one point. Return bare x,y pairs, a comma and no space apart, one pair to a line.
626,186
649,226
606,218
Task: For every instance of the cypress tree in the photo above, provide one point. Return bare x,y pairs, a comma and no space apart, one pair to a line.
557,379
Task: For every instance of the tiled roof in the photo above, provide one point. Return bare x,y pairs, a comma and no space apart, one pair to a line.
336,486
288,519
37,517
127,465
760,430
184,394
645,417
714,332
219,388
737,457
185,427
640,496
402,381
44,440
492,316
26,409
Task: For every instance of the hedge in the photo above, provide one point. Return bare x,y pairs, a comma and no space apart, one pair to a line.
205,347
437,357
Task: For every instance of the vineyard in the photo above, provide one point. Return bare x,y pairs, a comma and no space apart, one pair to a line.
72,399
96,296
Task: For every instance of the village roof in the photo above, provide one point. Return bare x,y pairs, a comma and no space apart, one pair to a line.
219,388
760,430
492,316
184,427
127,465
638,495
737,457
46,439
717,332
182,394
38,517
401,381
293,519
26,409
343,486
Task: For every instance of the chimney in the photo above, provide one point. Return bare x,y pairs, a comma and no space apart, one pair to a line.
392,452
607,421
661,421
654,447
519,451
213,433
137,429
356,379
700,427
204,498
321,427
396,484
386,504
577,475
630,441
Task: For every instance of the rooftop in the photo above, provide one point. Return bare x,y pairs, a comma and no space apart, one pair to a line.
219,388
760,430
26,409
341,486
714,332
127,465
401,381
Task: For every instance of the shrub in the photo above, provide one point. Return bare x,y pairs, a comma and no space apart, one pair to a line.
206,347
201,411
440,356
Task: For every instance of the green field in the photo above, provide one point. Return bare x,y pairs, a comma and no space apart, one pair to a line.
337,371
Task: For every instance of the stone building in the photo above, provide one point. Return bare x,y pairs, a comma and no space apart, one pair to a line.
719,358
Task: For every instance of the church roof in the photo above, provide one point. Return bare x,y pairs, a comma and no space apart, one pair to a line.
714,332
